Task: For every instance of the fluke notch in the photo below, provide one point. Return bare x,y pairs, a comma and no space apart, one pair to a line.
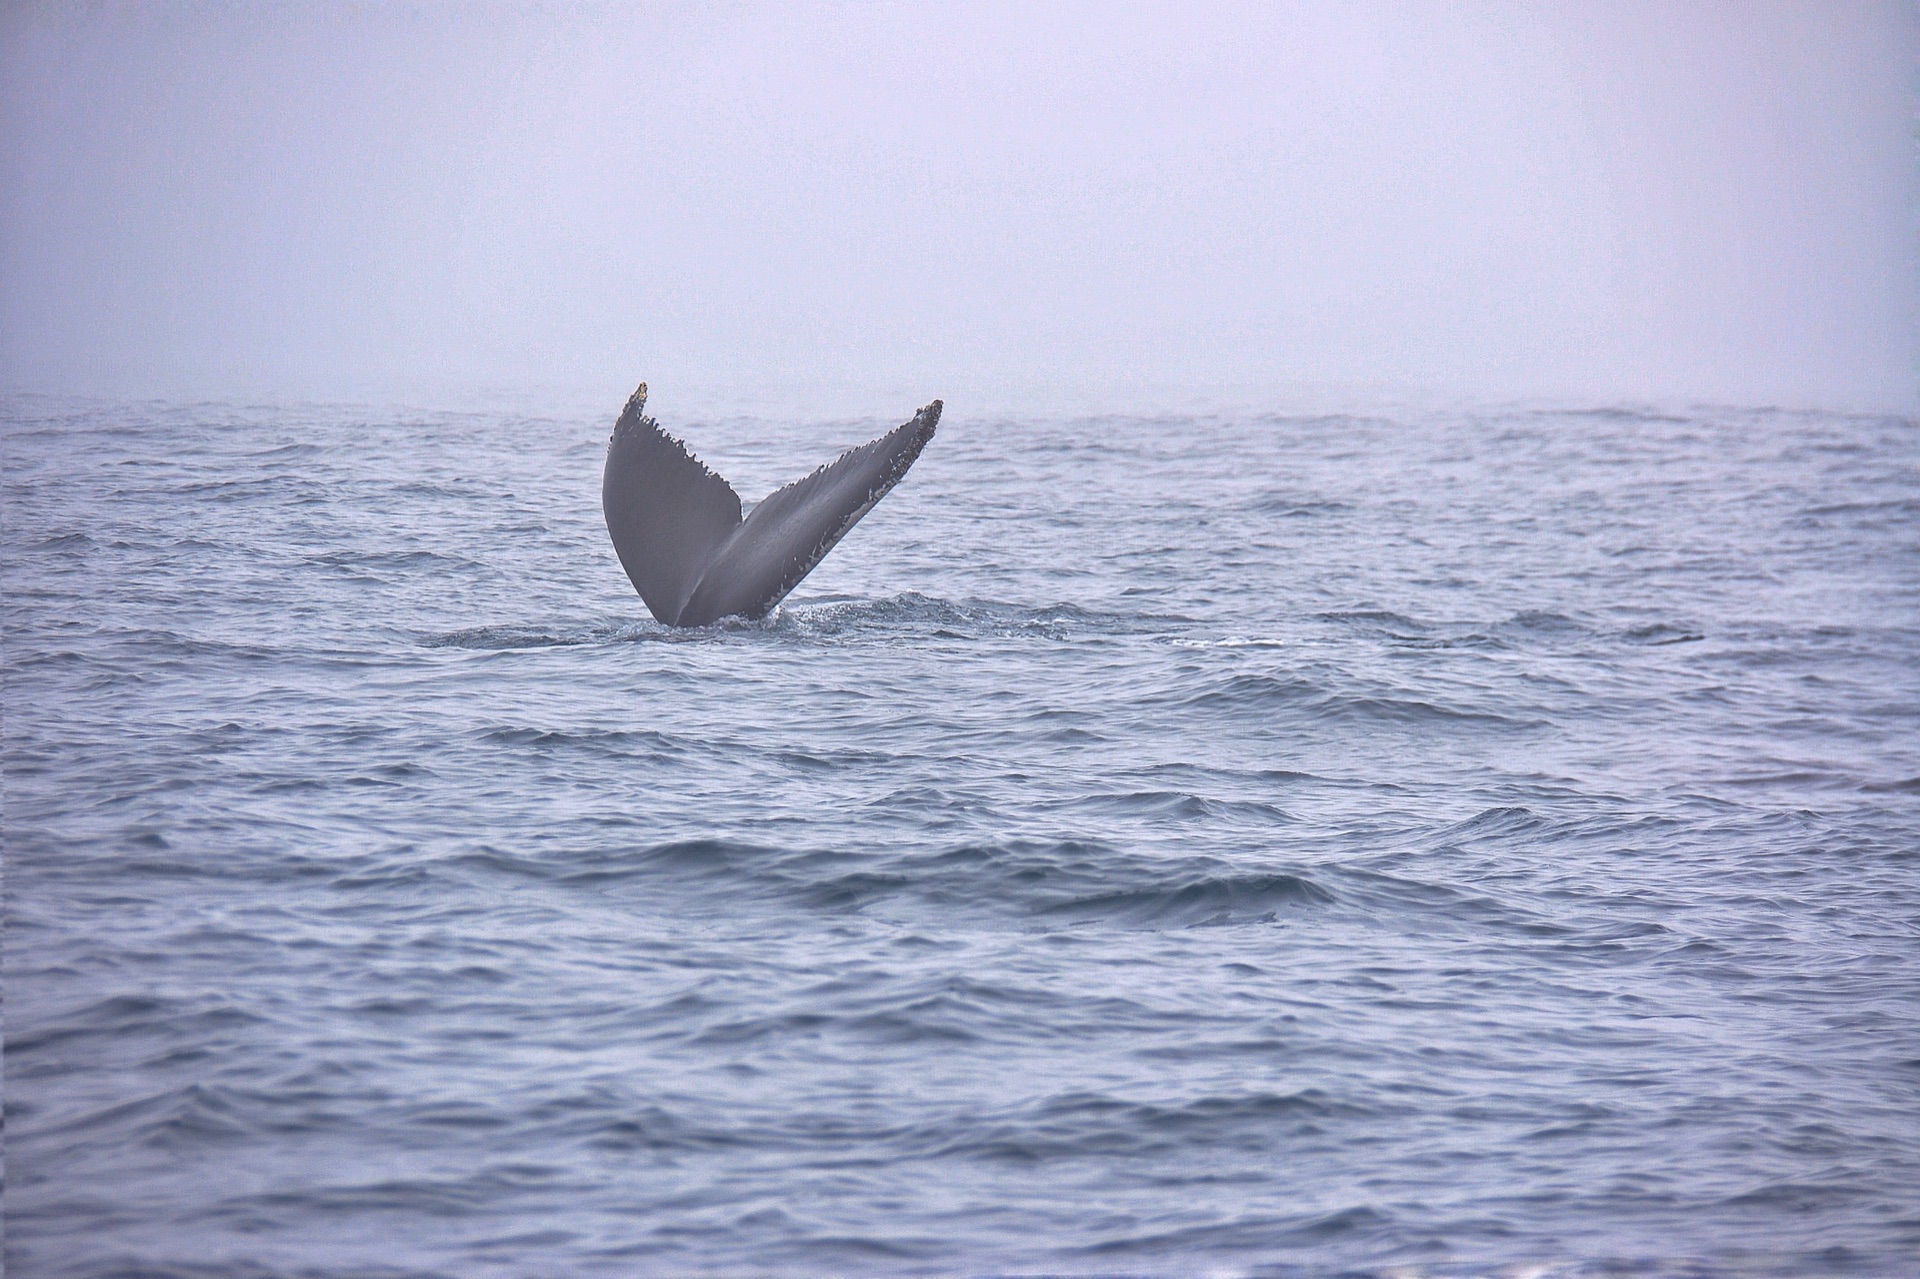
676,524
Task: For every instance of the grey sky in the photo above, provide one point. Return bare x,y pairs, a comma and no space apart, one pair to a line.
1487,201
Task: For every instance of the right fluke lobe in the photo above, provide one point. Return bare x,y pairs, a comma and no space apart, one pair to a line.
677,528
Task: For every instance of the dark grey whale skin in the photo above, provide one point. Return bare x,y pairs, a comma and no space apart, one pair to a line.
677,528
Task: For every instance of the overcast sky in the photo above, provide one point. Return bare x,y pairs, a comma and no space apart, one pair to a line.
1585,200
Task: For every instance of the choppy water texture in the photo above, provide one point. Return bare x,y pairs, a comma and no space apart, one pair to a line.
1286,844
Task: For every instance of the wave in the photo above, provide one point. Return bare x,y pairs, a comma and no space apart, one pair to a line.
495,638
1290,507
430,561
953,619
1076,881
1621,414
1233,641
1659,633
1253,694
827,620
1189,902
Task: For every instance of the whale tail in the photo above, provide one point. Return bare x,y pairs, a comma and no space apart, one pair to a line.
676,525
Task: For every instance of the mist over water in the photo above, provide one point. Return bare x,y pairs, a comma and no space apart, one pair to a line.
1261,843
1121,204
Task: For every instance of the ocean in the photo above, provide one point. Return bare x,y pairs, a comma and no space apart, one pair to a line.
1411,842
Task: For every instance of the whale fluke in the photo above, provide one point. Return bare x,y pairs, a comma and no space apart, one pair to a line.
677,528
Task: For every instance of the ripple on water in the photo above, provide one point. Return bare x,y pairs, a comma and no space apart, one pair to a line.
1413,844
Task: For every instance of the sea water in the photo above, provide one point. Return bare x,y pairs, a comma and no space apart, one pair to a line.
1400,841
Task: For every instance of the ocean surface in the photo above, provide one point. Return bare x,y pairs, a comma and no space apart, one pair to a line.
1465,842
